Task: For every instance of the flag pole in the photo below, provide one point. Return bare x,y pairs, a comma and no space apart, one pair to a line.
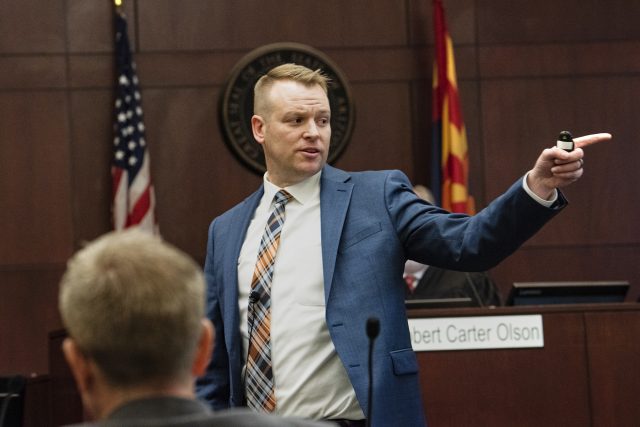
119,5
450,161
133,195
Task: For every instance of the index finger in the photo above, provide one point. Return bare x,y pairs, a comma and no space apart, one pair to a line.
586,140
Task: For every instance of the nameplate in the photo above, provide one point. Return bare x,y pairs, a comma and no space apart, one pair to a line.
476,332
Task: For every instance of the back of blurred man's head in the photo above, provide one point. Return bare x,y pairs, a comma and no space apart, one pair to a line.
133,306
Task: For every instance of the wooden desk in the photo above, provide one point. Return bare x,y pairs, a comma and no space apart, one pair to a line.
587,374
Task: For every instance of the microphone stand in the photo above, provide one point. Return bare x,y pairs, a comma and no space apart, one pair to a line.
373,329
474,290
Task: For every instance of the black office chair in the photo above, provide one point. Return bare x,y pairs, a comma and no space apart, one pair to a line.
12,389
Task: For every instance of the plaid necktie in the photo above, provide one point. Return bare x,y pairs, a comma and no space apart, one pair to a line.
260,383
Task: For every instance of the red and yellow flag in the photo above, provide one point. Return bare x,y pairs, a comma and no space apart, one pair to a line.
450,171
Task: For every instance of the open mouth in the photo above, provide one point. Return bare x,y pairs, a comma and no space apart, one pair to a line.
310,151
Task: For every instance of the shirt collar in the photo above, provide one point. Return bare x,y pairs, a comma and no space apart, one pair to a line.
302,191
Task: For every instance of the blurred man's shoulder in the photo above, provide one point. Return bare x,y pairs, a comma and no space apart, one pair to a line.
235,417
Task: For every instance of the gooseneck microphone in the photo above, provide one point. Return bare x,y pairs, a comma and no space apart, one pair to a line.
254,296
373,329
474,289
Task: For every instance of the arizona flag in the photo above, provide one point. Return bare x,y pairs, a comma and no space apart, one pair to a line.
133,201
450,163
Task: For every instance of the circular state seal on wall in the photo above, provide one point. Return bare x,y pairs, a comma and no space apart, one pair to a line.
236,100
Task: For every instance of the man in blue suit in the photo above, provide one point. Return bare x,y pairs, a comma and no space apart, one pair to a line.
340,259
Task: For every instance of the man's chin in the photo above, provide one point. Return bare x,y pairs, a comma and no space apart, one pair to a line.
312,169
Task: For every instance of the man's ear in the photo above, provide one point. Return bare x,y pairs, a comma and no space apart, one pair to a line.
204,349
79,365
257,126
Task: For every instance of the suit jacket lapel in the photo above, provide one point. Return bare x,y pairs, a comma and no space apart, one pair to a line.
335,194
240,224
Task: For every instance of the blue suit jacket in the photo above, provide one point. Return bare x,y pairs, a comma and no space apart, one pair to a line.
371,223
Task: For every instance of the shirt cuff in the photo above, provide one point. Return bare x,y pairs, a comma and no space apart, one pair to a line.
534,196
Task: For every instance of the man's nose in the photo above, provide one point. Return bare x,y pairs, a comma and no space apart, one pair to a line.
311,130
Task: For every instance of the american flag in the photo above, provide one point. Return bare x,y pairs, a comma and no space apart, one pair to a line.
133,201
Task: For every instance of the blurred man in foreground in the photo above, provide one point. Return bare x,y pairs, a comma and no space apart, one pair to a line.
134,310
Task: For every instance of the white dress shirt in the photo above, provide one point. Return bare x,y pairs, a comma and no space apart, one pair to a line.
310,380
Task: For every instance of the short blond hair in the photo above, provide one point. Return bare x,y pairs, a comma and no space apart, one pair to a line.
294,72
134,305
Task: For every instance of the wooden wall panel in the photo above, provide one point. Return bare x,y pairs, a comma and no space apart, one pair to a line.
32,72
35,223
378,64
32,26
35,220
472,115
90,25
555,59
612,343
91,72
421,124
91,139
461,21
520,21
224,25
382,136
186,69
28,312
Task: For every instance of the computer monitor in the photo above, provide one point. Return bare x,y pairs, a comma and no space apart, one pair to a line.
580,292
